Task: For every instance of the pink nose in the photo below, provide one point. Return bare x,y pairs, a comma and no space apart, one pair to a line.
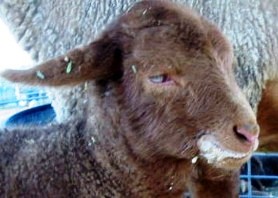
249,132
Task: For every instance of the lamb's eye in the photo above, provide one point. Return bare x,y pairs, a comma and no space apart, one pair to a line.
163,78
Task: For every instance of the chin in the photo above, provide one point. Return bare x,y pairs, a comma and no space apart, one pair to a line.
217,154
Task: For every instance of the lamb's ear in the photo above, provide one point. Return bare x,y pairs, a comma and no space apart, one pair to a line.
98,60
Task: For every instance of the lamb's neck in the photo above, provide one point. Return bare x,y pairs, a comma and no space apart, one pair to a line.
165,177
159,177
156,178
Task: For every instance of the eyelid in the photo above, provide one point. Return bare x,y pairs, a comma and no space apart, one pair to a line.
160,79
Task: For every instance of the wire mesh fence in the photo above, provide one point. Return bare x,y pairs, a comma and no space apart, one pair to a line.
259,177
16,96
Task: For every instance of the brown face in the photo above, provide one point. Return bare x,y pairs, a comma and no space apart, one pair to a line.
178,93
182,99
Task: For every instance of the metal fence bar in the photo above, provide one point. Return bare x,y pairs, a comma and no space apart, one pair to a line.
268,154
259,176
5,102
249,178
257,196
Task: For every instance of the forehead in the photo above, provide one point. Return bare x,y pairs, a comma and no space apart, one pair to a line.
160,21
163,33
168,46
170,38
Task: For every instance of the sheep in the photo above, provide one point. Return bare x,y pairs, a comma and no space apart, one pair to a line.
268,116
164,114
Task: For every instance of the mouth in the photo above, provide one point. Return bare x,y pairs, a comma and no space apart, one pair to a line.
215,153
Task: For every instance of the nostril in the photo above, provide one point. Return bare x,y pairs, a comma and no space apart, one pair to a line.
247,133
239,135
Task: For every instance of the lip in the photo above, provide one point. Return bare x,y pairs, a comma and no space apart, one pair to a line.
214,152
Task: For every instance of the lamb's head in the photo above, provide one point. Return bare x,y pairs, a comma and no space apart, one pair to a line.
178,95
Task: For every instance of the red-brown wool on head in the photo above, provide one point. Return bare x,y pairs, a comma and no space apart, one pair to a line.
173,96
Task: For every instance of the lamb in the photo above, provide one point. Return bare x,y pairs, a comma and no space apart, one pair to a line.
164,115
